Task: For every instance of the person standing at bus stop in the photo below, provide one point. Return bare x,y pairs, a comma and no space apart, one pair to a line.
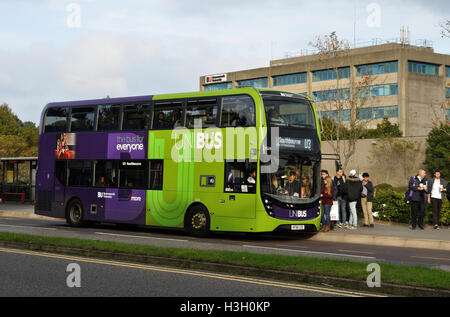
366,200
354,188
326,198
436,190
419,188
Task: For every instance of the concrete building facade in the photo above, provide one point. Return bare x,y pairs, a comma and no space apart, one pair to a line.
410,85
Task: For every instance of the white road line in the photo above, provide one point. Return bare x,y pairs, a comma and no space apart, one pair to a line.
15,226
309,252
140,237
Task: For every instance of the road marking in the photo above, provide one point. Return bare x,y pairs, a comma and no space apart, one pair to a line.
316,289
15,226
289,246
310,252
356,251
141,237
431,258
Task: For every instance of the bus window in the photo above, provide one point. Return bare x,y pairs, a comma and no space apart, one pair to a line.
136,117
56,120
60,171
156,175
80,173
240,177
106,174
108,117
167,116
132,174
238,111
204,111
82,119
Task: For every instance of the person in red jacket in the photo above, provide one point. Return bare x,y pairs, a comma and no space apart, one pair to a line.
326,198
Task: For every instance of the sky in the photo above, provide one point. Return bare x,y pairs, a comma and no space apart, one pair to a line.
57,50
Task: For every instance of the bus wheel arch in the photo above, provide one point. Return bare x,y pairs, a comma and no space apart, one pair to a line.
75,212
197,221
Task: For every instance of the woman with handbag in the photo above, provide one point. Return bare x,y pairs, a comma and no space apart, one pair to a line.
326,197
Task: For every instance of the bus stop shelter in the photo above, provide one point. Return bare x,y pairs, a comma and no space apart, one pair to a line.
18,178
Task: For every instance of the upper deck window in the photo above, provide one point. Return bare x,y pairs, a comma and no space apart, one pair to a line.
108,117
56,119
136,117
167,116
238,111
201,111
82,119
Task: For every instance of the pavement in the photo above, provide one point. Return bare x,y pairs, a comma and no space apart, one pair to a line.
383,234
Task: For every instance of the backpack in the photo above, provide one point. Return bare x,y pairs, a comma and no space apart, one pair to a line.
409,193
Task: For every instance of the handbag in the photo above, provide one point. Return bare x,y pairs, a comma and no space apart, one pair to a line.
334,213
409,193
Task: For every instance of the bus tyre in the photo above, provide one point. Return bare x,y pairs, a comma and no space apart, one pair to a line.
75,213
197,221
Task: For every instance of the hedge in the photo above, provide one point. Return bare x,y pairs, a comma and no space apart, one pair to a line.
390,207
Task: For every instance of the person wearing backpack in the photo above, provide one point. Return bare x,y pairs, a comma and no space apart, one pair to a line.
418,188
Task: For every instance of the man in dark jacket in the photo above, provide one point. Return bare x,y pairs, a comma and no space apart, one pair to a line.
419,188
339,193
366,200
353,188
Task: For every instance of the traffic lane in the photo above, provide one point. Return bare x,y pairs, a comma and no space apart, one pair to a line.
261,243
38,274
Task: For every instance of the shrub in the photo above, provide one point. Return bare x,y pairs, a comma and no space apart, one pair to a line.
390,207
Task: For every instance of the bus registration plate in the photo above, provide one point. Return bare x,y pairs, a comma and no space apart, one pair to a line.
297,227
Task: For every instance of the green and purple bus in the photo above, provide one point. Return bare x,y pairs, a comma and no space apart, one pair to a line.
238,160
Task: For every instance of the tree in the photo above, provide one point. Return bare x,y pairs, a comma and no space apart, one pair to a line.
437,153
384,129
17,138
342,135
445,28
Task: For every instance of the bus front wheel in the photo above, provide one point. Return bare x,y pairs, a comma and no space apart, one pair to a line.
75,213
197,221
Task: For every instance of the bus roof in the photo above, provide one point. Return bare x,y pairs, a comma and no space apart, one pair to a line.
91,102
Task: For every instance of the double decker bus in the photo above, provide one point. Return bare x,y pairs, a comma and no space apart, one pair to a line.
239,160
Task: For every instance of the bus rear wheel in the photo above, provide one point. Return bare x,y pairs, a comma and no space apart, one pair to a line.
197,221
75,213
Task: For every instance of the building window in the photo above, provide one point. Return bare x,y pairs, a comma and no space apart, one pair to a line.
423,68
291,79
377,69
220,86
378,91
256,83
447,115
378,113
330,95
330,74
447,71
447,92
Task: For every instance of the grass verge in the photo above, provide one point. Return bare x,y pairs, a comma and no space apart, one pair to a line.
395,279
